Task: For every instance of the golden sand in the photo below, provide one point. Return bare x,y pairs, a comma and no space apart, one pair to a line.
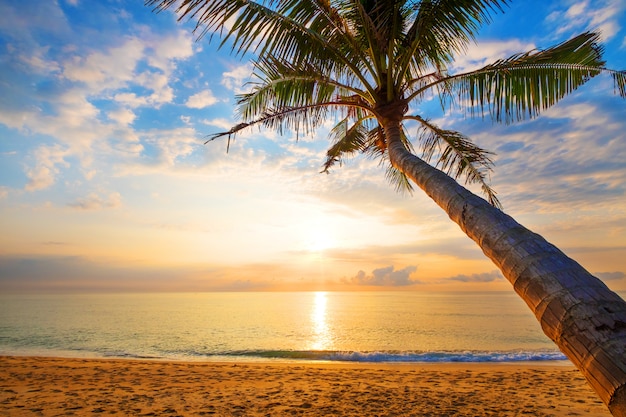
35,386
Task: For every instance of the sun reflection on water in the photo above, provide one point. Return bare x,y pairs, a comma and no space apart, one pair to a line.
321,333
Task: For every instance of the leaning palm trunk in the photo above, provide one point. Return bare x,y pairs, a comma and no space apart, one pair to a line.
576,310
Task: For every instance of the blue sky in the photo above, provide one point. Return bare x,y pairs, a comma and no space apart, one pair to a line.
105,183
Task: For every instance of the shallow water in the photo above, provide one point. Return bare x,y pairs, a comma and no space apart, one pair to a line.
355,326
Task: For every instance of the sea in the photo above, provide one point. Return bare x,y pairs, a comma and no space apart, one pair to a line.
385,327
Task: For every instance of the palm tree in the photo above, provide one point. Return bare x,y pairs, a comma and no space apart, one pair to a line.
371,61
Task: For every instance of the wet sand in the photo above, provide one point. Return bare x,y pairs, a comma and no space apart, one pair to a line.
36,386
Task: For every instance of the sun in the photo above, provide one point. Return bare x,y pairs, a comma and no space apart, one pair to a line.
318,241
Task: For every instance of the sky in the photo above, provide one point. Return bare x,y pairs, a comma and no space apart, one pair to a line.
106,183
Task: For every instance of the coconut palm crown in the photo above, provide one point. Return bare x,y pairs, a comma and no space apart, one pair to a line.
373,62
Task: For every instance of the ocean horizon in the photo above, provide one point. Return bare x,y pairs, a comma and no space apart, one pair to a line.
385,327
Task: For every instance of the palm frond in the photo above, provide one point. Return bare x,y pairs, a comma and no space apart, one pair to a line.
442,28
281,84
457,156
619,79
398,180
289,30
297,119
347,140
523,85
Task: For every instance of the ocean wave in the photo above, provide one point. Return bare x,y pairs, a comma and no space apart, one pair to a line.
395,357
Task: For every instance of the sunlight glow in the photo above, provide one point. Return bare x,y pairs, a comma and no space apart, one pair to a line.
320,330
319,241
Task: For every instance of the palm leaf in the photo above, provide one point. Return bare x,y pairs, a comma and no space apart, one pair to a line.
442,28
398,180
619,77
347,140
523,85
457,156
283,84
289,30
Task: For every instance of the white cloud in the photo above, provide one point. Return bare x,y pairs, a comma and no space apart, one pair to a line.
16,119
599,15
95,202
47,160
576,10
167,149
70,113
236,78
201,100
37,60
220,123
130,99
74,109
166,50
47,16
568,159
604,19
4,192
111,68
116,68
158,83
477,56
122,116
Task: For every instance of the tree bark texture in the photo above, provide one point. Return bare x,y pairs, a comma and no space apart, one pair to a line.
576,310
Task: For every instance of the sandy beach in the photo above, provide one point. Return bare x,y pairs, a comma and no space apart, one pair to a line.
37,386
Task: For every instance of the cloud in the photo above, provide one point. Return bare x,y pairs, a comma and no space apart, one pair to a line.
95,202
201,100
84,100
385,277
486,52
596,15
166,50
235,79
111,68
610,276
569,158
79,273
484,277
122,116
47,16
221,123
131,99
47,160
170,146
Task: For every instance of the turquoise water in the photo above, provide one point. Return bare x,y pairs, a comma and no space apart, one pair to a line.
363,326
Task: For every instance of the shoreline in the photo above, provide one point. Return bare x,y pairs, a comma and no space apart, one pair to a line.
251,359
47,386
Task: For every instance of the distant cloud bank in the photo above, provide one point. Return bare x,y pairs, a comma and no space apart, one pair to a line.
387,276
610,276
484,277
